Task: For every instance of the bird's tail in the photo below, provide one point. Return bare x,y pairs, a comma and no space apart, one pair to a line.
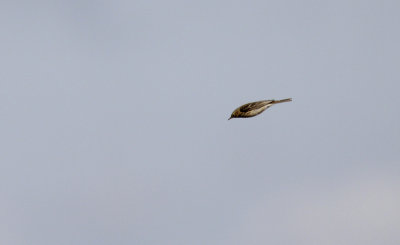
281,101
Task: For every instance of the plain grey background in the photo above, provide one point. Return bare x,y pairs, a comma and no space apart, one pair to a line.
114,128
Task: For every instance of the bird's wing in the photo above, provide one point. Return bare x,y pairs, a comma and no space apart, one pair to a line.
254,105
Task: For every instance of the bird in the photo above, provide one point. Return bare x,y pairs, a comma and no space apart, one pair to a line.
254,108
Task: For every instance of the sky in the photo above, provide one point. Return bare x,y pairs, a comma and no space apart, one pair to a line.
114,122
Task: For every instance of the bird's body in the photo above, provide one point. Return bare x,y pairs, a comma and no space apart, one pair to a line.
254,108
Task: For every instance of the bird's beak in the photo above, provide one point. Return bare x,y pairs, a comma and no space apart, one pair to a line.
230,118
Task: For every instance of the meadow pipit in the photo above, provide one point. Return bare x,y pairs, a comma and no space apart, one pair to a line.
254,108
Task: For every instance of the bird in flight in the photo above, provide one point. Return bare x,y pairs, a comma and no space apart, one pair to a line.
254,108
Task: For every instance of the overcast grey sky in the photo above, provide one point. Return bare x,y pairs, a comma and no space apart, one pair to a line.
114,126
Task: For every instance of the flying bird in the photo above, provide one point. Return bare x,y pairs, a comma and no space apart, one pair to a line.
254,108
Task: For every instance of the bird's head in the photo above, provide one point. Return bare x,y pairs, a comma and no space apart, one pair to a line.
234,115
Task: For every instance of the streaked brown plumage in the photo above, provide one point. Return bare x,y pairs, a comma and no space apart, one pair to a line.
254,108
